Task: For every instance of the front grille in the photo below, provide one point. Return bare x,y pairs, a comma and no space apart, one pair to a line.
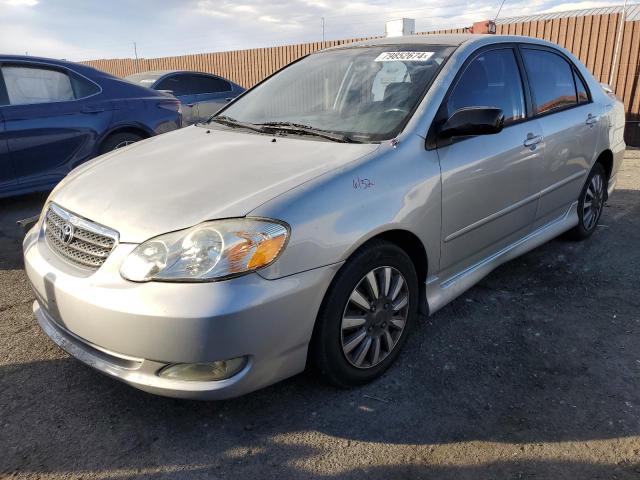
77,240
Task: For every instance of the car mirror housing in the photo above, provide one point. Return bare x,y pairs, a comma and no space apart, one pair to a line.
473,121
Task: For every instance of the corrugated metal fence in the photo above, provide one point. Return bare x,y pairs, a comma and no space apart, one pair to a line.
591,38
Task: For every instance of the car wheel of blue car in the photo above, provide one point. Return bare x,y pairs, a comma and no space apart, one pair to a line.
119,140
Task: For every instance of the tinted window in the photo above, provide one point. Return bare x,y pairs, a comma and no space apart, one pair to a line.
551,79
82,87
492,79
179,84
581,88
212,85
27,85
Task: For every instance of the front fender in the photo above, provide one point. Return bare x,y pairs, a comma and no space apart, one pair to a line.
395,188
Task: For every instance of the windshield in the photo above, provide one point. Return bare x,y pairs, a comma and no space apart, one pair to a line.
365,93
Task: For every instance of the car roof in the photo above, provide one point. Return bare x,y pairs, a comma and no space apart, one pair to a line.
83,69
28,58
161,73
451,40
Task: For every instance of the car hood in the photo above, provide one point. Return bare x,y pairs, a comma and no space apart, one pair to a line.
182,178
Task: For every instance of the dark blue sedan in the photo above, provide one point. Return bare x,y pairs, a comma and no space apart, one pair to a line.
54,115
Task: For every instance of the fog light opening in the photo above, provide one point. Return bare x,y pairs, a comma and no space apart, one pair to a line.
203,372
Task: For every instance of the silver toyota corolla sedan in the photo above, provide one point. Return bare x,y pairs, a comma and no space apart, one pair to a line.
312,219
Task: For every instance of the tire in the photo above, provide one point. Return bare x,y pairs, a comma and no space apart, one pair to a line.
335,348
593,196
118,140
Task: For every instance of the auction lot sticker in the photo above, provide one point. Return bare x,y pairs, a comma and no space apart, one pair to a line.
404,56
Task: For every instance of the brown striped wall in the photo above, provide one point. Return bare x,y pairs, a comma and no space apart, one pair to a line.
590,38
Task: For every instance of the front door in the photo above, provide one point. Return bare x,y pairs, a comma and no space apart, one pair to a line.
488,185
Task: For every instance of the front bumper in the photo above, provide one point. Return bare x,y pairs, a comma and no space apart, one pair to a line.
131,330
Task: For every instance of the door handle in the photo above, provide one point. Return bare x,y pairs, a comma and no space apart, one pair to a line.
190,105
592,119
532,140
92,110
228,99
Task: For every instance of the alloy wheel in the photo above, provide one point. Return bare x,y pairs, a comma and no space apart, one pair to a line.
374,317
124,144
593,202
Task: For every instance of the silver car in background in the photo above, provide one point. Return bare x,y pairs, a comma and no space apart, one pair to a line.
200,94
313,218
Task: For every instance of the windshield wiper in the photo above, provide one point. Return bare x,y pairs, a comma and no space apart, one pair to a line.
291,127
232,122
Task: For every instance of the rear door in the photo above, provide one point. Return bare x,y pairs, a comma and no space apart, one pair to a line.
52,122
215,93
568,118
7,175
488,186
184,87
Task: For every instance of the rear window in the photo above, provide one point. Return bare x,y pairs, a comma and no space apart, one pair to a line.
82,87
212,85
551,80
581,89
179,84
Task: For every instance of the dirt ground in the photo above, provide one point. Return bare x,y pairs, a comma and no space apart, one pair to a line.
532,374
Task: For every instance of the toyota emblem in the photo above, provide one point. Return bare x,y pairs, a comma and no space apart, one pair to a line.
66,233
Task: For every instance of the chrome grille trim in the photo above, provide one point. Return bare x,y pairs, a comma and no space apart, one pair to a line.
90,245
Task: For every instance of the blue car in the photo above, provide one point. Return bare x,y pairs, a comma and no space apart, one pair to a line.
54,115
200,94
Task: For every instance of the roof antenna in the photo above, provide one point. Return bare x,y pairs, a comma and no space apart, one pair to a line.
499,10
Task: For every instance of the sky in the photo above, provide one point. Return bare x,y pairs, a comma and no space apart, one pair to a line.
94,29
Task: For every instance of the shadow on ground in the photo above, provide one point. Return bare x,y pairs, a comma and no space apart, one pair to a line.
12,210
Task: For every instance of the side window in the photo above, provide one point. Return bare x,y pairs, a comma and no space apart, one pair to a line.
551,79
492,79
581,88
82,87
27,85
179,85
212,85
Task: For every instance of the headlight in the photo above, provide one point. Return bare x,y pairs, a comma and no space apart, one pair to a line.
209,251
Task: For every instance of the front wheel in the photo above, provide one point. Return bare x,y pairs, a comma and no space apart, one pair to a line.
591,203
366,315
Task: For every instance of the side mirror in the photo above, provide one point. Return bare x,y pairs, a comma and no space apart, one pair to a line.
473,121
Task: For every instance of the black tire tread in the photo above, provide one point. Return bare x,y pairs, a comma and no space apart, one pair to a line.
579,232
325,353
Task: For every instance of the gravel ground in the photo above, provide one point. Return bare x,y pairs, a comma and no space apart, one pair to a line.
534,373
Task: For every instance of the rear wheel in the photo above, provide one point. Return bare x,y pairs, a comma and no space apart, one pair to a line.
591,203
366,316
119,140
